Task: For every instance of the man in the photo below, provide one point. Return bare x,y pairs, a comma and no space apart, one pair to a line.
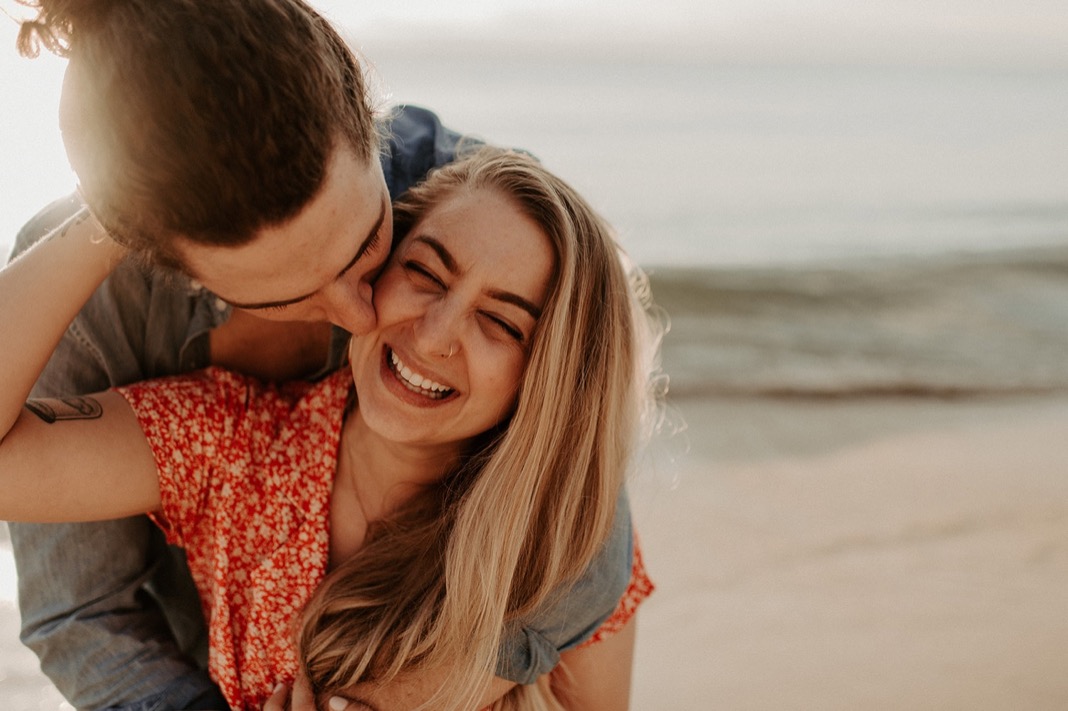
229,143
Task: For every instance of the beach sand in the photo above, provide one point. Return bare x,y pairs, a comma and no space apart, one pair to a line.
892,553
900,553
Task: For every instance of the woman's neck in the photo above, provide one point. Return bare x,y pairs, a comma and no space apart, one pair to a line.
374,478
384,474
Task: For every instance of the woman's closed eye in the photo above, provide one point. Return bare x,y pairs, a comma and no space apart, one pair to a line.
425,278
422,275
501,325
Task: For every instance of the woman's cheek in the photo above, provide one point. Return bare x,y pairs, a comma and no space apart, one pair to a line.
388,294
509,375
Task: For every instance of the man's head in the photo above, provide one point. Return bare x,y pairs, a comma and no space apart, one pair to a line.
316,266
207,124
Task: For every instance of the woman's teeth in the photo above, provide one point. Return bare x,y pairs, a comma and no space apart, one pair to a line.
415,382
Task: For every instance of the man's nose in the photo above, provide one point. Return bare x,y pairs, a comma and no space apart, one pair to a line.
352,307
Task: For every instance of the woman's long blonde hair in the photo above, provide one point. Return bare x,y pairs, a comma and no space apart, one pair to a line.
434,587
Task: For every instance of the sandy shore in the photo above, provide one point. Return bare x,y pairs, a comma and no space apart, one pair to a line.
836,554
871,554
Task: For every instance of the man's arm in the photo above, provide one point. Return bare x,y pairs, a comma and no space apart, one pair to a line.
415,143
575,612
37,306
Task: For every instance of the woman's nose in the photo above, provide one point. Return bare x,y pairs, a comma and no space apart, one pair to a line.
437,332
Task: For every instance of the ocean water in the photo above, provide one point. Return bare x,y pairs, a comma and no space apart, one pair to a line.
947,326
698,163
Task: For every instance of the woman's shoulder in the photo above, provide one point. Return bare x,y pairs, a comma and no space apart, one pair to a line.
237,412
222,385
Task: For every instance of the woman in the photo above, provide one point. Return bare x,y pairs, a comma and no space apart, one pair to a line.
475,471
233,141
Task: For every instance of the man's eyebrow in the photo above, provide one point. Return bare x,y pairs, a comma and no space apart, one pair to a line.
450,265
364,246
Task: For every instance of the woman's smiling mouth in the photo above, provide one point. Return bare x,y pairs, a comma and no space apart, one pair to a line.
413,381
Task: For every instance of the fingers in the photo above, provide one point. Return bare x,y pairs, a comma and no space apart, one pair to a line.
303,699
278,699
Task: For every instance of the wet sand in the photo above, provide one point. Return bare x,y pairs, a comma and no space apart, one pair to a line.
846,554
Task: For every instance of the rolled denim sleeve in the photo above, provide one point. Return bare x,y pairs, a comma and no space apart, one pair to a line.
101,638
533,647
416,142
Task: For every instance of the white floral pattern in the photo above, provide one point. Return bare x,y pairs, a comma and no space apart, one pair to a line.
245,476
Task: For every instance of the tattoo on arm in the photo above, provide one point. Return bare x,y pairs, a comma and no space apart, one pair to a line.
74,220
65,408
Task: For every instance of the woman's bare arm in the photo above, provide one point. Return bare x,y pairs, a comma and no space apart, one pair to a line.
40,294
67,459
96,465
596,677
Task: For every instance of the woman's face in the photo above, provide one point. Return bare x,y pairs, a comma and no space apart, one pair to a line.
457,305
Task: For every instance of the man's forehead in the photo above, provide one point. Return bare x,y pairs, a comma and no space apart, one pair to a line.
290,262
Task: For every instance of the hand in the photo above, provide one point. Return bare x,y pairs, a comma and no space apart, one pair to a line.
85,222
302,699
279,700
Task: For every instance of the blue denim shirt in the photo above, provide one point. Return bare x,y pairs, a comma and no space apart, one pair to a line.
108,608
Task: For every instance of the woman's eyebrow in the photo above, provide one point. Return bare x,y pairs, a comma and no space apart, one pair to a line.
443,253
516,300
453,268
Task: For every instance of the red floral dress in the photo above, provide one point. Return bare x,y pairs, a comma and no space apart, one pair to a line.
246,472
640,588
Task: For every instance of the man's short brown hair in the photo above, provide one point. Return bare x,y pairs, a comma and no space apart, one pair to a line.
204,119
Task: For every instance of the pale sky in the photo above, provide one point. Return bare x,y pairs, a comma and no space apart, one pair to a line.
1025,32
1029,34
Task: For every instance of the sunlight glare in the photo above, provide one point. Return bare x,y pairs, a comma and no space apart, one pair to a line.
35,169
